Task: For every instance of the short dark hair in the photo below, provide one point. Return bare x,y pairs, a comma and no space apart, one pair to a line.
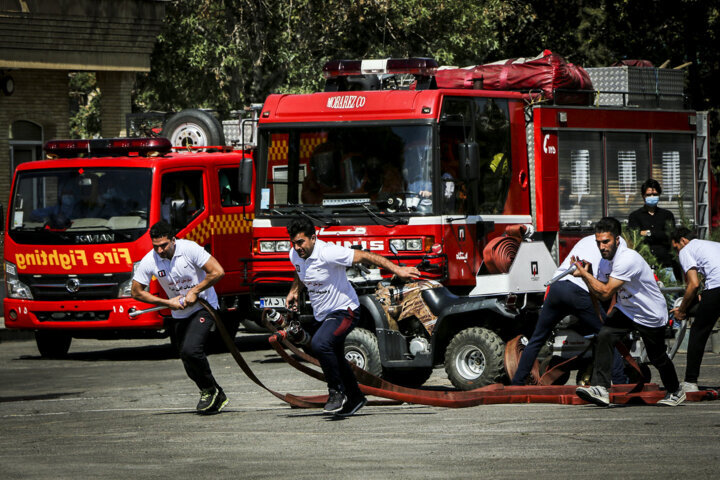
608,224
301,225
650,183
682,232
162,229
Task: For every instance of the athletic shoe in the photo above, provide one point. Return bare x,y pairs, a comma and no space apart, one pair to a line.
673,399
207,398
220,401
336,401
352,406
688,387
597,395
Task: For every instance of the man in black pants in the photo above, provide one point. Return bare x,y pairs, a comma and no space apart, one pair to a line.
320,267
569,296
640,306
703,257
185,271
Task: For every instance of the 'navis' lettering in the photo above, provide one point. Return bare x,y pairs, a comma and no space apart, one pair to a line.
72,258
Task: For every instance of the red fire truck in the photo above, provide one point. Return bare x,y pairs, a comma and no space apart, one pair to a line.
78,224
436,167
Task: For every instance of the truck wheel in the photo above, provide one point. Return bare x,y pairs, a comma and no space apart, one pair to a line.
53,344
549,363
361,348
193,128
474,358
634,376
408,378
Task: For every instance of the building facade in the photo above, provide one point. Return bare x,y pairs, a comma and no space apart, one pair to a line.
41,43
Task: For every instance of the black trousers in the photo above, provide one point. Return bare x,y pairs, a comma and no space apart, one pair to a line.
192,334
328,345
707,314
616,327
564,298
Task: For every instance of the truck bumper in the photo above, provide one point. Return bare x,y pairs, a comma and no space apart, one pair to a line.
80,315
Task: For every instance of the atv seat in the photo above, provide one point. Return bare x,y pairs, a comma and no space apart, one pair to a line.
437,299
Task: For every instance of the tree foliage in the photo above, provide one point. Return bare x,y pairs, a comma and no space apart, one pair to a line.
225,54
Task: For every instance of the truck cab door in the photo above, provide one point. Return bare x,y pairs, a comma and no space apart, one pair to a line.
232,226
184,203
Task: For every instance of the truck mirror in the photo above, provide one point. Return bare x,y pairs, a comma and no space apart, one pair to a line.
178,214
245,177
469,161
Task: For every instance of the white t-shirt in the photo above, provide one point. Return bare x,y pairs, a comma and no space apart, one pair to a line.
705,256
586,249
639,297
179,274
323,274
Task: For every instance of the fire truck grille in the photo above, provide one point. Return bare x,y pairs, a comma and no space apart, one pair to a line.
72,316
80,287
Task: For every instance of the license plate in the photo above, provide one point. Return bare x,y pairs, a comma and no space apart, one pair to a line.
272,302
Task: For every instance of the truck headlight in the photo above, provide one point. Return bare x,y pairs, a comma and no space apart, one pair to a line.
125,288
14,288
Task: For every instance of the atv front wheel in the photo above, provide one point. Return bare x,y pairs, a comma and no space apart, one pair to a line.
474,358
361,348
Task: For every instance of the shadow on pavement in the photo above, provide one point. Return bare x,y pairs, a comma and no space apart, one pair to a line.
46,396
244,343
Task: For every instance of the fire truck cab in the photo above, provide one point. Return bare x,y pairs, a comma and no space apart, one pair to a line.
78,223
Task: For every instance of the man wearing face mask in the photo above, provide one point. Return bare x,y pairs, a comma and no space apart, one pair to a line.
655,224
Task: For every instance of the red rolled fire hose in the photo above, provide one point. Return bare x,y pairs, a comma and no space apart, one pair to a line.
491,394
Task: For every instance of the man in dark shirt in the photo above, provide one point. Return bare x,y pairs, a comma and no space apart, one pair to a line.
655,224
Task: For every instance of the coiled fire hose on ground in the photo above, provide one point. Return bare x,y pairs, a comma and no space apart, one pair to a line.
492,394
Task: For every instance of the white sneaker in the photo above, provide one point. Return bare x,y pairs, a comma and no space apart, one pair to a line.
689,387
597,395
673,399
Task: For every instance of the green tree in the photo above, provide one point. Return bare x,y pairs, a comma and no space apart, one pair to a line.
226,54
84,105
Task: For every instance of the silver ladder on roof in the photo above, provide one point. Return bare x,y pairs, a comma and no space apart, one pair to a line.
703,183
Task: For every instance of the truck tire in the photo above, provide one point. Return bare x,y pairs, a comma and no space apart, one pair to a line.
193,128
361,348
408,378
52,344
474,358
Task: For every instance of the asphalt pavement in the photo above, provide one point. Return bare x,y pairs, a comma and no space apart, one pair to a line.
125,409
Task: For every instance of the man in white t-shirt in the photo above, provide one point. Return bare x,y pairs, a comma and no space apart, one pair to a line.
320,268
569,296
697,257
639,306
185,271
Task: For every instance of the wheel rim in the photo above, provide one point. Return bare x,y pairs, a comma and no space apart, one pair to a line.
356,357
189,134
470,362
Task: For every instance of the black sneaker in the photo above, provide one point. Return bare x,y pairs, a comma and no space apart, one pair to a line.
207,398
336,401
352,406
220,401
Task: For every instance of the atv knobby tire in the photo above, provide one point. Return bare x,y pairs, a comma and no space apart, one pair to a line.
474,358
361,348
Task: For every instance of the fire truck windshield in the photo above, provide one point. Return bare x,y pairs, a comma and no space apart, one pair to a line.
80,205
386,168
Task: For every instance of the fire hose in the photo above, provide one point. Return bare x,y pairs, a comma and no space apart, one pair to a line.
491,394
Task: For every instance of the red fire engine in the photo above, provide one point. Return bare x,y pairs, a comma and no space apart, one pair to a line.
438,165
78,224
